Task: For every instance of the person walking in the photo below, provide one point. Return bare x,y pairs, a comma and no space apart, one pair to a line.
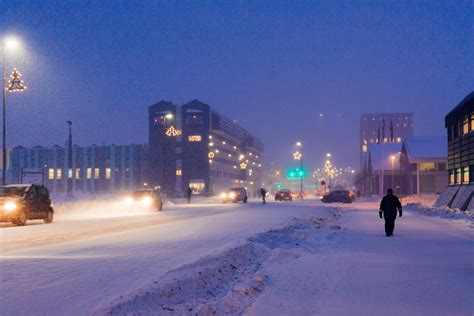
263,193
189,193
389,206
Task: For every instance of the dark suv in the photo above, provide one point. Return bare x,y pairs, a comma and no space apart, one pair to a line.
234,195
21,202
338,196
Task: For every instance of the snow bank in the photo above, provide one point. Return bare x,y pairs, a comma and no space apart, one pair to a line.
424,199
229,282
449,213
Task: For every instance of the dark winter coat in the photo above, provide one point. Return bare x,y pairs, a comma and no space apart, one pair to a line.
389,206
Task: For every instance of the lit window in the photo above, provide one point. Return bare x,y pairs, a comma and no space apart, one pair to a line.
197,187
364,148
427,166
179,172
465,125
399,139
466,175
451,177
96,173
107,173
51,174
458,175
472,122
78,173
69,174
89,173
59,174
194,138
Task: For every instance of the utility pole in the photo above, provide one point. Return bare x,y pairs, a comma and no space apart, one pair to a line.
70,172
4,135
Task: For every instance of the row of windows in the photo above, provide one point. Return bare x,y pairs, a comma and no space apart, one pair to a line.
463,127
463,175
91,173
191,119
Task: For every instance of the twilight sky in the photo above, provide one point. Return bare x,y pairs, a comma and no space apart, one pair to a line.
274,66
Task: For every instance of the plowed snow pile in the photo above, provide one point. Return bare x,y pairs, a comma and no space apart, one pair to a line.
229,282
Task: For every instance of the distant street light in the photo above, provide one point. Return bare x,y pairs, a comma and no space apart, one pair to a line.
299,156
69,160
13,85
392,158
167,116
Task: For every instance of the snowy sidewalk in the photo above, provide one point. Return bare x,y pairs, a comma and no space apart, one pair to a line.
427,268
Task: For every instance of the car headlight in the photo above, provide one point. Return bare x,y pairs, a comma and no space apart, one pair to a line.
223,195
10,206
232,195
147,200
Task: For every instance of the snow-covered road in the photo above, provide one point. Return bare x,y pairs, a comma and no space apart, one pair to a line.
79,266
234,258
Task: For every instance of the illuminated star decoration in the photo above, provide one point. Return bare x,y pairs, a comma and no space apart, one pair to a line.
172,131
297,155
243,165
16,84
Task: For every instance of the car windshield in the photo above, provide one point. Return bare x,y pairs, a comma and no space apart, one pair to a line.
139,194
12,191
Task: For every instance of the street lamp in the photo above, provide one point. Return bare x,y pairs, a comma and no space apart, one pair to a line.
69,161
8,43
167,116
300,145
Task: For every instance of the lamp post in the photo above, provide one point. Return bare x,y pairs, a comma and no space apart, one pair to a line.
300,145
329,169
7,43
392,158
69,161
168,116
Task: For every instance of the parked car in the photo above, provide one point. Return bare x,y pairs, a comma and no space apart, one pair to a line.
283,195
147,199
298,195
234,195
338,196
21,202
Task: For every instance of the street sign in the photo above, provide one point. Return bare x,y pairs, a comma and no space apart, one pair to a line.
32,175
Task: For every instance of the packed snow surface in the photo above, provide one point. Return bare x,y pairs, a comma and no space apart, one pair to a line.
299,258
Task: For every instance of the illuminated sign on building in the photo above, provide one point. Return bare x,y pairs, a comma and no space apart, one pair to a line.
171,131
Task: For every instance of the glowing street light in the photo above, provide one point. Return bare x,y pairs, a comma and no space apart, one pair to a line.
170,132
392,158
16,85
299,156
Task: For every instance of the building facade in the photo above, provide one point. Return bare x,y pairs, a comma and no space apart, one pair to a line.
423,164
460,128
192,145
378,128
94,169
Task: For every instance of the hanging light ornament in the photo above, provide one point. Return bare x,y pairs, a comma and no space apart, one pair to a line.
15,82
